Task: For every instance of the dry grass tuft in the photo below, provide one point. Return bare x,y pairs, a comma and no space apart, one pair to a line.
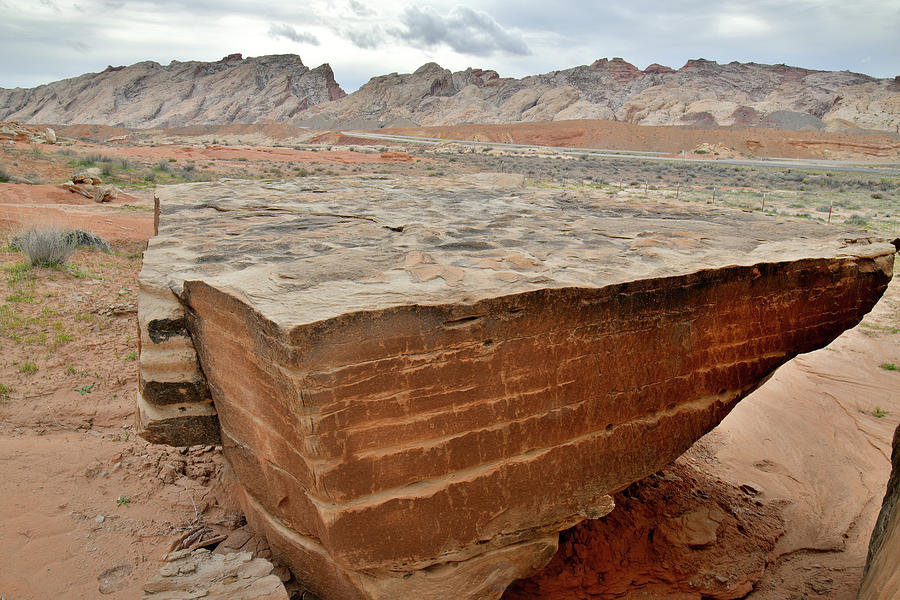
45,247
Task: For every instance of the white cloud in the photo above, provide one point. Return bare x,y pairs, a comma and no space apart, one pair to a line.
741,25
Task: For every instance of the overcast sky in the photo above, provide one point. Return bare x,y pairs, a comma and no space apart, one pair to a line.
45,40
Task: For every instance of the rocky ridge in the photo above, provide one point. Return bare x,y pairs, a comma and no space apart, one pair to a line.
701,93
280,88
147,94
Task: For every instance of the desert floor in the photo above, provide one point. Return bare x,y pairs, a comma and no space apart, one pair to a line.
89,509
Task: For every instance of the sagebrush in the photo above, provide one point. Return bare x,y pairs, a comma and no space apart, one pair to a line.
45,247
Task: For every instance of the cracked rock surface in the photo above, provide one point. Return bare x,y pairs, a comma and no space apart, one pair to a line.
202,574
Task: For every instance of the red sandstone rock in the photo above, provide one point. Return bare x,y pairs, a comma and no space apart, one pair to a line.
656,69
418,383
396,156
620,70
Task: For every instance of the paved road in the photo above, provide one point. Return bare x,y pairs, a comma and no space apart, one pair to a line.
775,163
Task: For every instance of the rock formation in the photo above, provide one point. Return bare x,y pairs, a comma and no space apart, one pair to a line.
419,382
202,574
281,88
701,93
147,94
21,133
881,579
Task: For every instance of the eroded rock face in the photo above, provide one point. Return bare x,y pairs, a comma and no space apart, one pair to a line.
147,94
701,93
419,382
280,88
881,579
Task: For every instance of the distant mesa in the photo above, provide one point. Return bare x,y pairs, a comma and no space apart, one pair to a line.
280,88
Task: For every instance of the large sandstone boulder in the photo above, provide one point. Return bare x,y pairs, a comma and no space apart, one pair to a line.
419,382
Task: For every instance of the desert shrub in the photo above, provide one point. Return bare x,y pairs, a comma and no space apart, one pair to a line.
4,175
91,160
45,247
86,239
856,221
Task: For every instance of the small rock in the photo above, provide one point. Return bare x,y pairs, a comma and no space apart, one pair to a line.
283,573
114,579
106,193
100,518
694,528
751,489
201,574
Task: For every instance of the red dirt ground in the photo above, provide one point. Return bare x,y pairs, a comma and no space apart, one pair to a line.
614,135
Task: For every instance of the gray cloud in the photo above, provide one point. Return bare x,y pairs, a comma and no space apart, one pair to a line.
365,38
286,31
78,45
515,38
360,9
465,30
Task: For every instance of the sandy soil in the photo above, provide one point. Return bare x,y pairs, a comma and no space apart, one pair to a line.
127,222
86,504
615,135
586,133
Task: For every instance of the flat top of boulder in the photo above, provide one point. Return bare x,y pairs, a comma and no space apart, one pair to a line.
306,250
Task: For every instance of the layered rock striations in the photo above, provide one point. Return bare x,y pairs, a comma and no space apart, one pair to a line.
701,93
280,88
147,94
419,382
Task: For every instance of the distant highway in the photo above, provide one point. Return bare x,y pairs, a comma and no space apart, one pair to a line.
774,163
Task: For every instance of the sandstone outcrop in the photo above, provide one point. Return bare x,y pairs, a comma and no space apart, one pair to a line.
701,93
22,133
418,383
147,94
881,579
280,88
